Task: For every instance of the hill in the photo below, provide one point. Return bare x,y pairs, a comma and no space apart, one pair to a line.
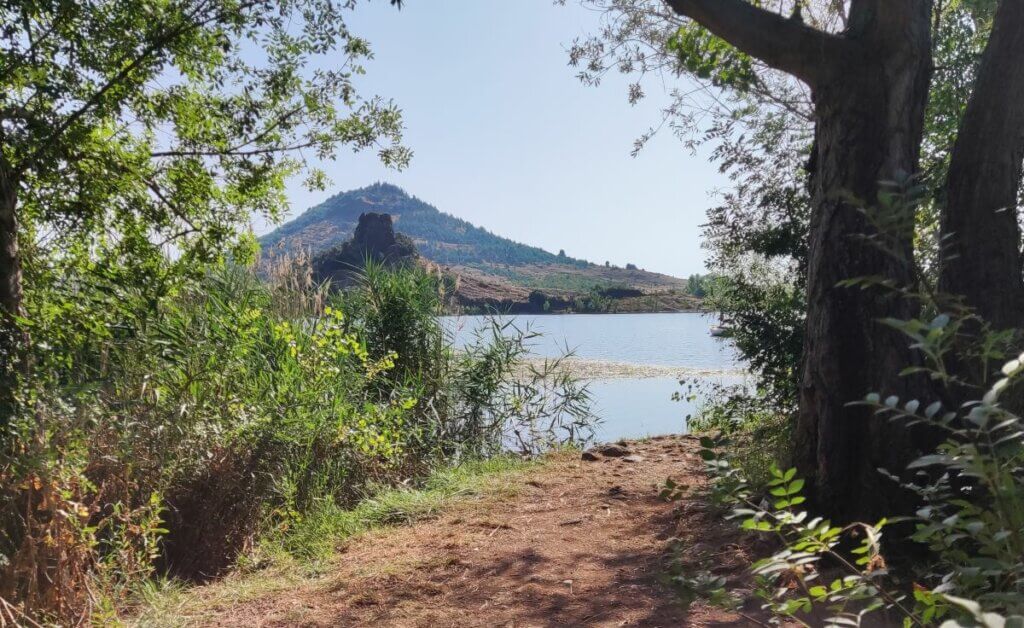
493,270
440,237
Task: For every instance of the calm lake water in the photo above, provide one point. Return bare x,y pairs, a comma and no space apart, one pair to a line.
634,402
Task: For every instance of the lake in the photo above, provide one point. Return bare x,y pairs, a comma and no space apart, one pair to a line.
634,363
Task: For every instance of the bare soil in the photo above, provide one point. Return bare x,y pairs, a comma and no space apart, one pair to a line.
579,544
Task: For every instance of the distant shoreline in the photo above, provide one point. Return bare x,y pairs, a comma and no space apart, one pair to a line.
591,369
572,313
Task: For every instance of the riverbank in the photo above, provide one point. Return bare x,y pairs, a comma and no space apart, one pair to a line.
564,542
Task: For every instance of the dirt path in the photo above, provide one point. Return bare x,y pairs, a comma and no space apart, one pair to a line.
579,544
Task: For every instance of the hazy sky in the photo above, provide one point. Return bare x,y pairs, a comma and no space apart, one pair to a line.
506,137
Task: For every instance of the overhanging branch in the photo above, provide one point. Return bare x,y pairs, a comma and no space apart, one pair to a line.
785,44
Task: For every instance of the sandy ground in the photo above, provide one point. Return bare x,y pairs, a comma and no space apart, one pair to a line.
579,544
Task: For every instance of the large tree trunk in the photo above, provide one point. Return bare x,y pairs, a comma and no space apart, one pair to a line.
12,340
870,87
981,258
10,262
869,129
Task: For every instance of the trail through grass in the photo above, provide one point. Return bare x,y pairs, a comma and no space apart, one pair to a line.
303,552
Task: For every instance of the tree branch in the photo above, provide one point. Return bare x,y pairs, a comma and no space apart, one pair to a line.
232,152
785,44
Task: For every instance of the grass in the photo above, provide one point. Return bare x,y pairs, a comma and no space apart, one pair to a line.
315,536
302,553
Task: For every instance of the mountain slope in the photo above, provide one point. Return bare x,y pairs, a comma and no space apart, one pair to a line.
494,264
440,237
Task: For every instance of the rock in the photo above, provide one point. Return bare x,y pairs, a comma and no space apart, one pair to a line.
613,451
589,456
374,238
633,459
374,232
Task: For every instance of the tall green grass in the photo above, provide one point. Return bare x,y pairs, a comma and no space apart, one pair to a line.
172,434
317,533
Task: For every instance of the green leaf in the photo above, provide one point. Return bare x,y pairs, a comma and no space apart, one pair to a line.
818,591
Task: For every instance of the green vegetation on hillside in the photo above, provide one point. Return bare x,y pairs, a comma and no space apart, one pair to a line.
439,237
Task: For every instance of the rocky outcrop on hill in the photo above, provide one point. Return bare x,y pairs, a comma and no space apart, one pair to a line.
374,239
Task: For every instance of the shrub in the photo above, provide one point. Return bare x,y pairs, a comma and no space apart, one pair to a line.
174,433
970,516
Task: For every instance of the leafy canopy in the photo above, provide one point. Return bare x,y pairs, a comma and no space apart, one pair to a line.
131,129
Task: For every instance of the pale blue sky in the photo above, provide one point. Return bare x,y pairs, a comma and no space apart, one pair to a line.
506,137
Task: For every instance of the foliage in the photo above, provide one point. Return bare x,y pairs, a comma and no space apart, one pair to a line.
593,301
215,391
131,127
711,58
183,431
758,433
138,139
700,285
796,579
971,514
765,313
316,533
467,395
759,125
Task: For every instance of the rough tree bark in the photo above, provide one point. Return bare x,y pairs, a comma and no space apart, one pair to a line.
981,258
10,293
10,263
870,88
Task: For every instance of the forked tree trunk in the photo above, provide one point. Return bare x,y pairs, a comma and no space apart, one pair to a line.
870,115
981,258
870,87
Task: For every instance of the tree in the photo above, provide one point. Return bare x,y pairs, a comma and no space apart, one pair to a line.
131,129
866,131
759,118
695,285
981,257
870,87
